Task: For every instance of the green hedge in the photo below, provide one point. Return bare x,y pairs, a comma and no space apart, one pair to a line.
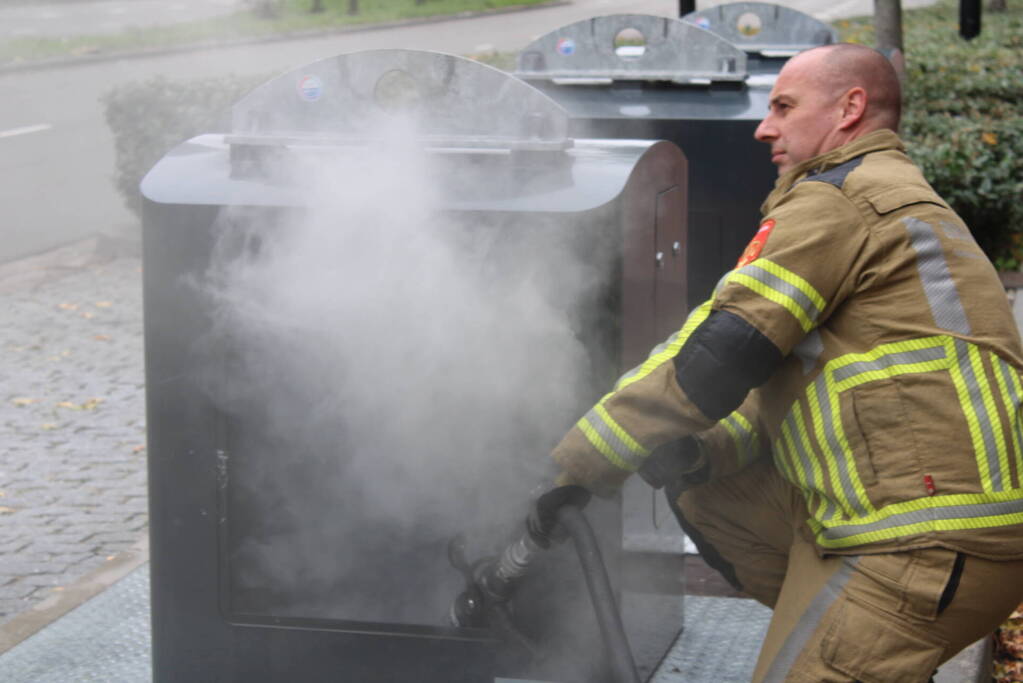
963,121
149,118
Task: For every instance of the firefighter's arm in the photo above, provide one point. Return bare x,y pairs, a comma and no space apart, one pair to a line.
698,377
802,269
733,443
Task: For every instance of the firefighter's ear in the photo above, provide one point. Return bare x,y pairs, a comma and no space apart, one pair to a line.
854,106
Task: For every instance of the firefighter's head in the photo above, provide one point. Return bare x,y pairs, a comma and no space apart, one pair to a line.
826,97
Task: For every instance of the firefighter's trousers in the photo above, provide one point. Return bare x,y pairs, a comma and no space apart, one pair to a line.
886,618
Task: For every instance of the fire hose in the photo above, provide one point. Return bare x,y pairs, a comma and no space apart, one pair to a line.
491,582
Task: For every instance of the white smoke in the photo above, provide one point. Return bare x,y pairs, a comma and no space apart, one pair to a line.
397,373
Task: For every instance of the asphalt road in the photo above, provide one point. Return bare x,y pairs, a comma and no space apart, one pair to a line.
56,152
74,17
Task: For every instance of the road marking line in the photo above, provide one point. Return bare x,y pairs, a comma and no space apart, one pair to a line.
39,127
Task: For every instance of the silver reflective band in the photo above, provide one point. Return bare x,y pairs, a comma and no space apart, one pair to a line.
887,361
746,439
927,515
809,620
1013,408
792,424
777,284
620,448
838,455
939,288
983,416
809,351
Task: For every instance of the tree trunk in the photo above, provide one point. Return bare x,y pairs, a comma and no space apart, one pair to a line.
353,7
317,7
888,25
997,6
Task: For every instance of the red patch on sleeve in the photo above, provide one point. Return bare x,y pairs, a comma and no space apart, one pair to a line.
756,245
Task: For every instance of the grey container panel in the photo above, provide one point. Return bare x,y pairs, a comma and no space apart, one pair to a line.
764,28
671,50
358,95
204,627
730,173
197,172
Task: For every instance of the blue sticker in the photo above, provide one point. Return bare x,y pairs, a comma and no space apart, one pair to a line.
566,47
703,22
310,88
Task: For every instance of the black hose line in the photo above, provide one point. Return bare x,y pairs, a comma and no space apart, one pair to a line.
608,617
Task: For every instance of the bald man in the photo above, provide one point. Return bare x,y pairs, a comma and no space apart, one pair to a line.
840,424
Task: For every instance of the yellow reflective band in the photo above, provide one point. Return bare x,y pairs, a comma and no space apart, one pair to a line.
598,442
743,435
666,352
972,421
799,283
991,412
783,466
932,513
817,427
634,446
827,426
774,295
889,360
1017,415
1009,398
784,444
736,439
818,470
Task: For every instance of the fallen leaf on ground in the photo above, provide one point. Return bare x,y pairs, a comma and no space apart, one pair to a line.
88,316
68,307
102,337
104,304
91,404
50,426
138,449
21,402
4,510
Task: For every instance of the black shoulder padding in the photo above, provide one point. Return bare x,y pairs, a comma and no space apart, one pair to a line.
722,360
835,176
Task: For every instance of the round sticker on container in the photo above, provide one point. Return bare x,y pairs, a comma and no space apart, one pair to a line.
703,22
565,46
310,88
749,24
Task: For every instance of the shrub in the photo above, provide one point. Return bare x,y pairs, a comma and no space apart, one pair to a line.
963,120
976,164
149,118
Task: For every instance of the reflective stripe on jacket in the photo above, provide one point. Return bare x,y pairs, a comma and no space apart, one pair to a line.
893,393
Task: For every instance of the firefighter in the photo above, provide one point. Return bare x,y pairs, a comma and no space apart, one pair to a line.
844,413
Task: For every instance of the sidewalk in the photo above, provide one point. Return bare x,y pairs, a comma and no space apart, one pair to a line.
72,419
73,546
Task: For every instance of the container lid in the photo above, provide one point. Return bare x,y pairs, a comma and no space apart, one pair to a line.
451,101
764,28
636,47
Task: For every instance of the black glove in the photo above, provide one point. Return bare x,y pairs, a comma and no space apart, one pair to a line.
677,462
542,522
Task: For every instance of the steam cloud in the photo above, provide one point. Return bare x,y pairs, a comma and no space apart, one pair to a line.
395,373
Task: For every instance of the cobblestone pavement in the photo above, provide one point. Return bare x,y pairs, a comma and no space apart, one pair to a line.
72,427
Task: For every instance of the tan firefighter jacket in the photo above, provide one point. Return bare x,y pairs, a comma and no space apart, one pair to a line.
866,342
